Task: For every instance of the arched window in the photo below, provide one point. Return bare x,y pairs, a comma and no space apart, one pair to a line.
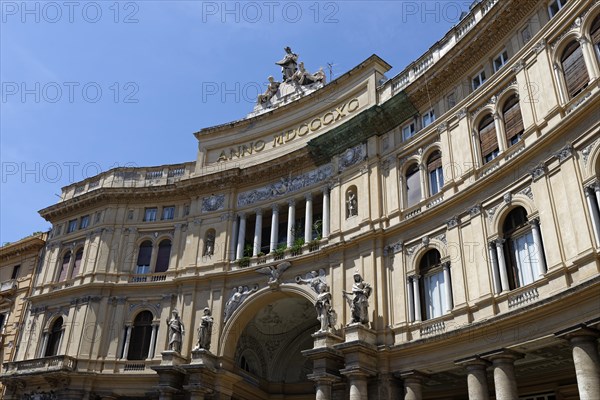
513,120
209,242
164,256
595,35
488,139
141,335
144,256
413,185
351,202
436,175
433,285
77,263
574,70
64,268
53,344
521,255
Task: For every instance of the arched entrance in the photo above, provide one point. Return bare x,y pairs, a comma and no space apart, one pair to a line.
275,328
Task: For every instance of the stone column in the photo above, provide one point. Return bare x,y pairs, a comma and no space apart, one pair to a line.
413,385
152,342
494,264
411,300
257,233
500,135
504,374
593,208
561,87
417,297
358,386
44,345
291,222
326,212
127,339
589,56
448,284
502,265
584,343
477,379
274,228
241,236
597,190
537,242
233,240
423,178
308,218
323,389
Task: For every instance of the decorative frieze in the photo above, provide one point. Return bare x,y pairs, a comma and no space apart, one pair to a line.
285,186
491,212
587,150
352,156
527,192
452,222
442,238
564,153
213,203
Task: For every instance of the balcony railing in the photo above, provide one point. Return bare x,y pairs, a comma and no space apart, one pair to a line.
8,286
46,364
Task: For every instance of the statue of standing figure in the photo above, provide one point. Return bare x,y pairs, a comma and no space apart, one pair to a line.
176,332
289,64
325,313
205,331
359,302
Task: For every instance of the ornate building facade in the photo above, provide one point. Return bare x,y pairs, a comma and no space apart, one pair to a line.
443,225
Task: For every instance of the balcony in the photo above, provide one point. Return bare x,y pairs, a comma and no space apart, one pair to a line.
8,287
41,365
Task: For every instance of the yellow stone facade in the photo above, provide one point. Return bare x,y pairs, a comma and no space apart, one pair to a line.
464,191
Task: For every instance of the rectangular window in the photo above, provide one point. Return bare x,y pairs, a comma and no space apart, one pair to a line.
490,156
500,61
15,272
85,222
451,100
168,212
428,117
408,131
142,269
72,226
555,6
478,80
2,320
150,214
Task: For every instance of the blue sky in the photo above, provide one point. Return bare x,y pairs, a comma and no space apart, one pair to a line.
88,86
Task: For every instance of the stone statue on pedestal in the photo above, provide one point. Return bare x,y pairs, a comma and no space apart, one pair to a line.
325,313
176,332
289,64
359,302
205,331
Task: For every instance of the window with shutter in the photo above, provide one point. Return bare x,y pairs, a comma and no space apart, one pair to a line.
513,120
164,254
575,72
488,139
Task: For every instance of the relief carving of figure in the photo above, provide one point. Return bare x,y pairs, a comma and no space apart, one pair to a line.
205,331
238,296
271,91
289,64
176,332
359,302
274,273
314,280
325,313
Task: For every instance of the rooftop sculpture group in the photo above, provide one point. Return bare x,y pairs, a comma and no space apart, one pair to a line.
294,74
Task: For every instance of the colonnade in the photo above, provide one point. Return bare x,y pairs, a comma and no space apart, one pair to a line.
239,227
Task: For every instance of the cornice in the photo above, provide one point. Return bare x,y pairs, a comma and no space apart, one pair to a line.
31,244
